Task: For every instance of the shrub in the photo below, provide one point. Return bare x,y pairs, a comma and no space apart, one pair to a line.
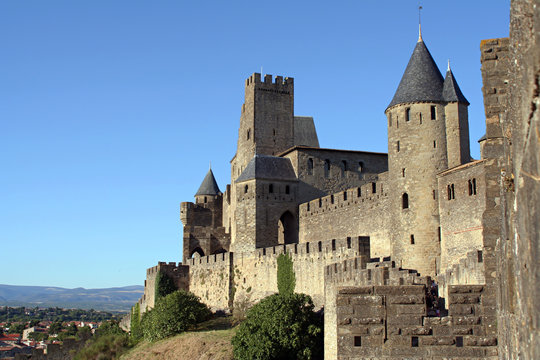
164,285
109,342
172,315
286,280
280,327
135,325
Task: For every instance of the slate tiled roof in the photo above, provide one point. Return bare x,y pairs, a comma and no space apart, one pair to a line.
209,185
422,80
268,167
451,90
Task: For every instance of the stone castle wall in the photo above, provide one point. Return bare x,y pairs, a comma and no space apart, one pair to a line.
353,212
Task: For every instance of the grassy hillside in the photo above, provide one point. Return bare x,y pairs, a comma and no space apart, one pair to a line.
212,340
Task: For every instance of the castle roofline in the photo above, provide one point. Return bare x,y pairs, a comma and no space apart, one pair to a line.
301,147
268,168
209,185
460,167
422,81
451,90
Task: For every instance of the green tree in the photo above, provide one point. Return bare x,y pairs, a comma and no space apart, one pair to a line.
164,285
56,328
286,280
172,315
135,325
72,330
38,336
280,327
17,328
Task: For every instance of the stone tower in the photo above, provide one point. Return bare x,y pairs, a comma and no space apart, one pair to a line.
426,134
266,128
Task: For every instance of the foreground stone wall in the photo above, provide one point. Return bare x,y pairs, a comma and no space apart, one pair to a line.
391,322
519,248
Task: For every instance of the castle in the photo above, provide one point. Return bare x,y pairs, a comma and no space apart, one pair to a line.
370,234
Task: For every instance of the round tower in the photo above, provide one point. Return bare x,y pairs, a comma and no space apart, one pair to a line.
417,152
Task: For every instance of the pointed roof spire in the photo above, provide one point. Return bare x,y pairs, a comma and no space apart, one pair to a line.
451,91
420,33
419,22
209,185
421,81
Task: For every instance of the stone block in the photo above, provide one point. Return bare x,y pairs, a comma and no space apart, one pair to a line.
356,290
361,311
465,289
465,330
344,310
479,341
416,330
437,341
405,320
353,330
463,299
460,309
432,321
442,330
406,299
367,321
342,300
393,310
366,300
399,290
344,321
452,352
467,320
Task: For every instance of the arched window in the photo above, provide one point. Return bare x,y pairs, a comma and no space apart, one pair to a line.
310,166
343,168
405,201
205,200
326,168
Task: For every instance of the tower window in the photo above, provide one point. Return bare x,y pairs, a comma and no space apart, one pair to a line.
333,244
320,246
274,131
420,117
348,242
433,113
405,201
373,187
397,146
326,168
332,199
472,187
205,199
361,166
407,114
307,206
343,168
245,189
248,135
412,239
320,202
390,120
287,189
451,193
310,166
358,192
271,188
434,144
403,172
434,195
344,195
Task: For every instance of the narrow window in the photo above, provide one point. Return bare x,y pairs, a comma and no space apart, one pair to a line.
439,233
348,242
332,199
333,244
433,113
274,131
373,187
397,146
245,189
326,168
307,206
474,186
480,256
405,201
407,114
320,246
403,172
358,192
205,200
287,189
248,135
449,190
343,168
271,188
310,166
357,341
459,341
344,195
453,193
414,341
307,248
412,239
320,202
434,144
360,166
390,120
434,194
420,117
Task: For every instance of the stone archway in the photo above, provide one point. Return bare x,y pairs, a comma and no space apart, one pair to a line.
287,229
197,252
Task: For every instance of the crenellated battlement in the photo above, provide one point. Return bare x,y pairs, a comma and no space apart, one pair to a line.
278,81
368,193
215,259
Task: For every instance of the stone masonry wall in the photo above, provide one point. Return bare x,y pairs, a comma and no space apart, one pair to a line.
353,212
462,201
391,322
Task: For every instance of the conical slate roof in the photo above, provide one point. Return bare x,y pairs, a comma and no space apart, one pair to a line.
422,80
209,185
451,90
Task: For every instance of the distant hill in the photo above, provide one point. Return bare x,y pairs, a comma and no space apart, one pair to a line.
111,299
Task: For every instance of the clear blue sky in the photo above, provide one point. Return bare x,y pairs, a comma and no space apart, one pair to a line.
110,111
